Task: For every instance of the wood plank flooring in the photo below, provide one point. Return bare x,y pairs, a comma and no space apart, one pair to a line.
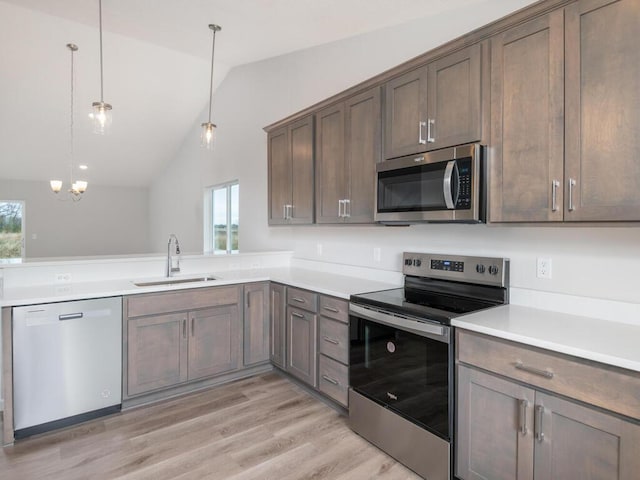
264,427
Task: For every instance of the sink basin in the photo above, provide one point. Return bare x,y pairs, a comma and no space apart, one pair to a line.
175,281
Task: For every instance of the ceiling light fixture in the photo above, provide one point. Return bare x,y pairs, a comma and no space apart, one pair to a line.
208,128
78,187
101,114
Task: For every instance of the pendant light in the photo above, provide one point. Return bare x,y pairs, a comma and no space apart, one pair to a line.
101,114
78,187
208,128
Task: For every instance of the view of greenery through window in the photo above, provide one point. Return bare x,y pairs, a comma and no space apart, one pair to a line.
10,229
225,212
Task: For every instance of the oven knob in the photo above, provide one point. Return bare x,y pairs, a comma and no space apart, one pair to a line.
493,269
408,261
480,268
417,262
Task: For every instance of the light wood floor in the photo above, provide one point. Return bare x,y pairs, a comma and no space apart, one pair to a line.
263,427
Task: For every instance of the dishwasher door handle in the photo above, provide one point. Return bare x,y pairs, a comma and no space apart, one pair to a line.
70,316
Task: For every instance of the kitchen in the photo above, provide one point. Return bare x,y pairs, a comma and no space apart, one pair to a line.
592,266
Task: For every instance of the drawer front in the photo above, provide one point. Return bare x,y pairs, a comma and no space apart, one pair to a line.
335,308
333,339
333,379
602,385
177,301
302,299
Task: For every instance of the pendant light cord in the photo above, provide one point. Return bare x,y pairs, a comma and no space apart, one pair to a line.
101,74
213,50
71,123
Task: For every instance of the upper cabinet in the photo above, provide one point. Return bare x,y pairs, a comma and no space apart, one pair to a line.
527,108
602,145
347,150
564,113
435,106
291,180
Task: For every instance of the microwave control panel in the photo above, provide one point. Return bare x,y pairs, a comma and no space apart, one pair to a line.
464,175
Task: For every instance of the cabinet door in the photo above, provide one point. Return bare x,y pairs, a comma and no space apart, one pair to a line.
580,442
256,323
278,318
302,190
527,108
157,352
330,164
406,114
495,428
214,340
279,154
454,99
362,153
603,111
301,345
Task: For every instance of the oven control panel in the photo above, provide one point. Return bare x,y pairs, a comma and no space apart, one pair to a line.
483,270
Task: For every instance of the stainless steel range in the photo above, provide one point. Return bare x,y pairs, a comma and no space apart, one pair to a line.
402,355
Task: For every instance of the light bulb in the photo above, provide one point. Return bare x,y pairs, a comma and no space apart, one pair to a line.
208,135
102,117
56,185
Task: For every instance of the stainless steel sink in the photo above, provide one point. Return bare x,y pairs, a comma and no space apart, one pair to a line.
175,281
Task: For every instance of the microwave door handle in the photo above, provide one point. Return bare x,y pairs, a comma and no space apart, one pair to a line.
448,178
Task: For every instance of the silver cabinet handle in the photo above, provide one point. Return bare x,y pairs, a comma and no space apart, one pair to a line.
330,340
536,371
298,299
419,159
184,328
193,327
284,212
446,184
421,140
539,412
431,123
572,183
331,309
290,209
70,316
340,205
347,207
554,192
296,314
523,416
330,380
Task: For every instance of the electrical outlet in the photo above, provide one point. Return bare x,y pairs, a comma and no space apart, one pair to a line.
544,268
63,278
376,254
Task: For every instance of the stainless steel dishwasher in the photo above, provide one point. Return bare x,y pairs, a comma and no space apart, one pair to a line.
67,363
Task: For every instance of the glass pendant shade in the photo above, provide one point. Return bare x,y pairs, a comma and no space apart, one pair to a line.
56,185
208,135
102,117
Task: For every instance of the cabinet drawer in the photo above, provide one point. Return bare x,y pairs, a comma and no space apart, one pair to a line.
177,301
602,385
302,299
335,308
333,379
333,339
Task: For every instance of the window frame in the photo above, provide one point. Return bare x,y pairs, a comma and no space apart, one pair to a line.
209,224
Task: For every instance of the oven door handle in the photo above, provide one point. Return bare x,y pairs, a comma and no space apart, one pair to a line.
434,331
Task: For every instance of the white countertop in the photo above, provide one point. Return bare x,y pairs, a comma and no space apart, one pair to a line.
595,339
330,284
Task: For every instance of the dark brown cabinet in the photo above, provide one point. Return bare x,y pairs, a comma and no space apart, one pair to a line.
564,116
278,319
256,323
347,150
291,173
435,106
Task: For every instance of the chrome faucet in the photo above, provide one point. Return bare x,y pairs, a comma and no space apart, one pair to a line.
170,268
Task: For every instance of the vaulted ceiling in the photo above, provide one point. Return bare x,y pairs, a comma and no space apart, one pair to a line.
156,71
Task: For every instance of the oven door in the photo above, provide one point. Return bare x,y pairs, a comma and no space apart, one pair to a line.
402,364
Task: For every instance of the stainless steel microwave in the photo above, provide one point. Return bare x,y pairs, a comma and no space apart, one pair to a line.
447,185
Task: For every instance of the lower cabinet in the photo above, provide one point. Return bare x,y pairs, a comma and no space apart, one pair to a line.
510,430
256,323
333,349
278,327
200,338
301,344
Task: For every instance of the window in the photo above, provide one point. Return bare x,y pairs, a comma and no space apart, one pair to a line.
221,218
11,231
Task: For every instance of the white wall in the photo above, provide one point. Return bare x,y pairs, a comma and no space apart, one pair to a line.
596,262
107,221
